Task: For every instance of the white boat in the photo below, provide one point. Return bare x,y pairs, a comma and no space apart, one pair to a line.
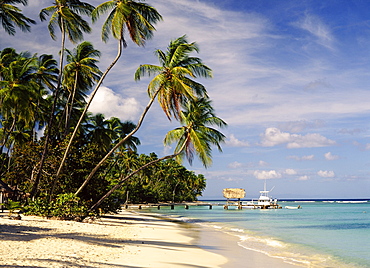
264,201
291,207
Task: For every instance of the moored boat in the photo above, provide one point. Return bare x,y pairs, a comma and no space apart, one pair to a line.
291,207
264,201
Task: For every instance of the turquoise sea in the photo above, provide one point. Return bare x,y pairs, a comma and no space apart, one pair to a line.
321,234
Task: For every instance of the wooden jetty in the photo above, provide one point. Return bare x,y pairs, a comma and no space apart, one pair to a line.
186,205
233,199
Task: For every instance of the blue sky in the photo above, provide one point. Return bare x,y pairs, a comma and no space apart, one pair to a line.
291,79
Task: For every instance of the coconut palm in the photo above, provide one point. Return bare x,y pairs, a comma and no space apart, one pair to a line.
122,129
134,17
64,14
46,76
172,83
99,132
79,75
174,76
195,136
11,16
19,93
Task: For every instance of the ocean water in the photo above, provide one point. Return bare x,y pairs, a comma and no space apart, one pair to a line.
321,234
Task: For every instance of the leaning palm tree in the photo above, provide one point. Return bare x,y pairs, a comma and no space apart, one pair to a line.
64,14
173,84
135,18
196,136
11,16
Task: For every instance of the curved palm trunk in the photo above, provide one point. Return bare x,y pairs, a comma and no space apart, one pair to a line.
85,111
119,143
122,180
69,112
51,119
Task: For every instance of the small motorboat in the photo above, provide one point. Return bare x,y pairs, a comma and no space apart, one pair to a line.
291,207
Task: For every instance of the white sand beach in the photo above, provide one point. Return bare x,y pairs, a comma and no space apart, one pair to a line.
124,240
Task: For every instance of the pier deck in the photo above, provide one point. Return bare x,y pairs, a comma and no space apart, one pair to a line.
237,205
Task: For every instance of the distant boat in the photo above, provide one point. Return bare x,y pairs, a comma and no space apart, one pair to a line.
264,201
291,207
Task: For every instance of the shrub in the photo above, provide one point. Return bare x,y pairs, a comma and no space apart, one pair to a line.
65,206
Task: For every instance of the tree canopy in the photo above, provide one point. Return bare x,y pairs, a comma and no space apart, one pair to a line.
59,154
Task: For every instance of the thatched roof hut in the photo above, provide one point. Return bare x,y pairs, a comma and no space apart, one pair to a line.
234,193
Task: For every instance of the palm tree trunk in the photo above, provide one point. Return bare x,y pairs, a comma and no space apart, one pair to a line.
69,113
51,119
119,143
7,135
85,110
122,180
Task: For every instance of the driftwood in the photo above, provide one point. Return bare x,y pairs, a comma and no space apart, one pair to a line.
233,193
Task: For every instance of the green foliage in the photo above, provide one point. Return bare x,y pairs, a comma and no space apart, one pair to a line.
65,206
12,206
162,182
32,93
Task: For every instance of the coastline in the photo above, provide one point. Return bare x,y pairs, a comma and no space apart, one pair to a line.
127,239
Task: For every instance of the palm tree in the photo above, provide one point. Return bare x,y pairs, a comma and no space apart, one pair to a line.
99,132
122,129
46,76
11,16
195,136
174,76
66,15
135,18
173,79
79,75
18,93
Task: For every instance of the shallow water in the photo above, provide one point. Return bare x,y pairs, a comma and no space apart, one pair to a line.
321,234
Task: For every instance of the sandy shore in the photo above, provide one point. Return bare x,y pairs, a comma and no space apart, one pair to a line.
125,240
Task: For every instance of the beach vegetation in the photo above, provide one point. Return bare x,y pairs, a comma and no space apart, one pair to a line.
68,162
64,14
14,208
138,20
65,206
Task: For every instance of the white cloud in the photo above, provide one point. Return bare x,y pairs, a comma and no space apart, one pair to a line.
315,26
329,156
234,142
263,174
303,178
302,158
290,171
326,174
262,163
111,104
274,136
235,164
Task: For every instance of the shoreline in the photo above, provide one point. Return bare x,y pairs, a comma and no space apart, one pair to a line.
128,239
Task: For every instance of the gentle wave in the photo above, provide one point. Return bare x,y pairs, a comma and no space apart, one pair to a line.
272,247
